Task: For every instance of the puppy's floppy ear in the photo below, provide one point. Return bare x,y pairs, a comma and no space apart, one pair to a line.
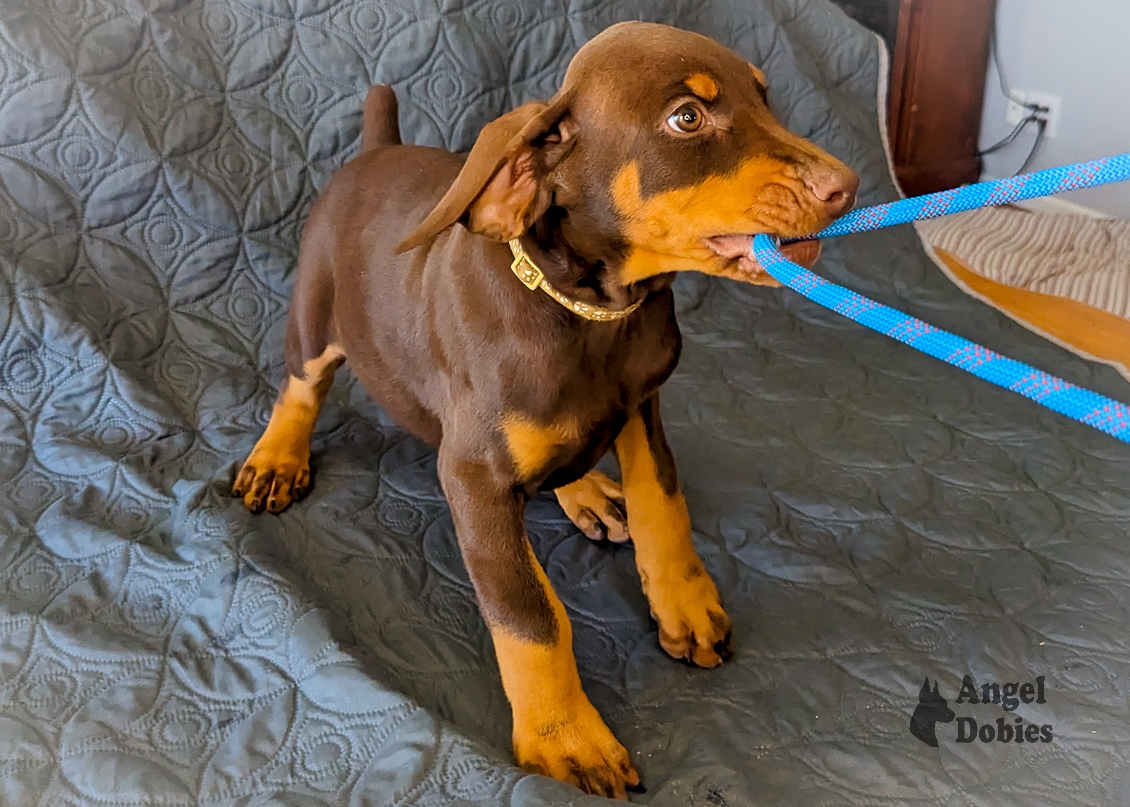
762,84
501,189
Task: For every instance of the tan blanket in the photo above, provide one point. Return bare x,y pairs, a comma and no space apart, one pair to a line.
1077,257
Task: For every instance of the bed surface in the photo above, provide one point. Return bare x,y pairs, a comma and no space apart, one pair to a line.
872,516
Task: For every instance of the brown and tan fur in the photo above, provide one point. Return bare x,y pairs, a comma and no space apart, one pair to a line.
404,273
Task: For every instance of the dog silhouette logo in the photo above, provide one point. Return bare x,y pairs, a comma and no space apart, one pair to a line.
932,708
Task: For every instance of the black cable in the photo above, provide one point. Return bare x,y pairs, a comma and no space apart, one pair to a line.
1042,127
1036,112
1006,88
1010,137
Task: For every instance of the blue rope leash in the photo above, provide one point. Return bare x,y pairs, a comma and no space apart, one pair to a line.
1103,413
983,194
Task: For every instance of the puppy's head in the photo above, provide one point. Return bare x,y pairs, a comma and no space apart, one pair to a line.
660,153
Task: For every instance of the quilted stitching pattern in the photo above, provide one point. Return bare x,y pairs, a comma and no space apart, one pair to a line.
871,515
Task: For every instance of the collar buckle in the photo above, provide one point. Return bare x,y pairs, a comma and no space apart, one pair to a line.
530,275
532,278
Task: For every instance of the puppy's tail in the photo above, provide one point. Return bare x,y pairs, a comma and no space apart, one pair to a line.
380,126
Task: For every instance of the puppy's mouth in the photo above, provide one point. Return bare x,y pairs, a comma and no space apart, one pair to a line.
738,248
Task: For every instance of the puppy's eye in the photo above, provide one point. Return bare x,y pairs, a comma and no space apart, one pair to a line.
686,119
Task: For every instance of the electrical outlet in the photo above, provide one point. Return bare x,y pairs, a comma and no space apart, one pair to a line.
1015,111
1053,103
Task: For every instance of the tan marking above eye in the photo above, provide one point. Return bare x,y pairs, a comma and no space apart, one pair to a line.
703,86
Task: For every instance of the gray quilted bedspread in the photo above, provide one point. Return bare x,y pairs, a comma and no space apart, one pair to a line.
873,517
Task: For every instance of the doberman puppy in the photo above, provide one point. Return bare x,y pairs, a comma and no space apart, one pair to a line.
658,154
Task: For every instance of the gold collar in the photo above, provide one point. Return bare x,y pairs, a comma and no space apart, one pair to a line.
533,277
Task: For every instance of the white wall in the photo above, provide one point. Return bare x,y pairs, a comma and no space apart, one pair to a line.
1079,50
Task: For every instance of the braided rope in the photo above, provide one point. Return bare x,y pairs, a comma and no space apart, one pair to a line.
983,194
1105,414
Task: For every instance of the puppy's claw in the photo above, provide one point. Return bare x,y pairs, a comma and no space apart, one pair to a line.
590,525
243,481
301,483
724,648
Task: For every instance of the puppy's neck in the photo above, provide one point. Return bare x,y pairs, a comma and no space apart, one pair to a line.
583,263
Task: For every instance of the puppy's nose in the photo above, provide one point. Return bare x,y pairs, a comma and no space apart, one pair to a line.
833,185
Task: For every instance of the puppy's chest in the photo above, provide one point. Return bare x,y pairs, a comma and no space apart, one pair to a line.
590,385
561,425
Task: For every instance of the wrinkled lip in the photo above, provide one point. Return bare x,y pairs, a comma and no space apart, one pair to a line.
738,247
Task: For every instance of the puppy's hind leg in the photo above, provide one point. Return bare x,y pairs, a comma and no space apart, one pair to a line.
278,470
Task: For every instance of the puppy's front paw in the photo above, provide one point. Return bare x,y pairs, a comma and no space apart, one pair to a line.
595,504
581,751
272,478
692,624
